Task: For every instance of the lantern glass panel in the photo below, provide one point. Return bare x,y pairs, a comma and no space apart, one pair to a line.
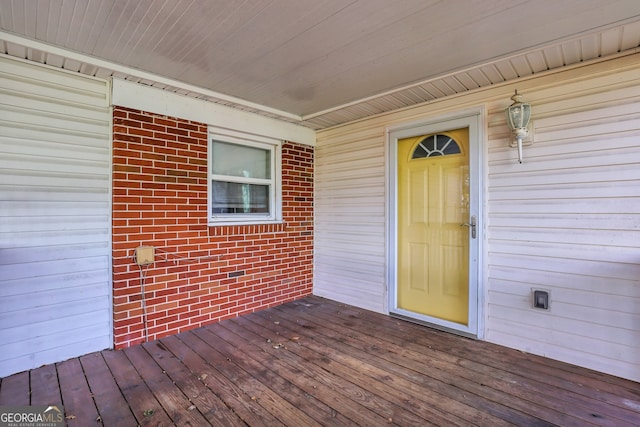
518,116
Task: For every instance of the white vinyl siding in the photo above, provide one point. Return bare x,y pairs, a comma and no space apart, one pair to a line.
567,220
350,220
55,250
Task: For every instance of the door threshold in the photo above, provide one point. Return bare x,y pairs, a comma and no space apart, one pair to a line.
433,325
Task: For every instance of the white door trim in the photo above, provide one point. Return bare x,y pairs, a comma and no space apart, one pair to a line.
468,118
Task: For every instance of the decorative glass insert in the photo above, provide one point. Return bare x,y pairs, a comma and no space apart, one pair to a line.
436,145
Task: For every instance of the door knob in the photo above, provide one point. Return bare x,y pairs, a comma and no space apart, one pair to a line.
471,224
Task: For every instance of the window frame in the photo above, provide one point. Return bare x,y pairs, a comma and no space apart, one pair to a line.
274,147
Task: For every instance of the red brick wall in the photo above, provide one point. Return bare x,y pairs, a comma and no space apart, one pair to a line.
202,274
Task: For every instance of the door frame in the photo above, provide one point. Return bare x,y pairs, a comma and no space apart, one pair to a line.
472,119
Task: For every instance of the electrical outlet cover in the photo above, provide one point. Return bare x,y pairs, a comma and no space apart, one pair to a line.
145,255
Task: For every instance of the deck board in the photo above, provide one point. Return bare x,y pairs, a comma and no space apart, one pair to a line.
14,390
173,400
143,404
360,367
433,390
113,408
77,399
45,389
270,375
318,362
220,376
259,390
495,367
343,397
513,390
202,398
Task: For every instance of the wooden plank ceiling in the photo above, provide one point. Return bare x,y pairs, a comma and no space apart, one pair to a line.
319,63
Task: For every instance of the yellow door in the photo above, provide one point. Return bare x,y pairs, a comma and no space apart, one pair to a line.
433,241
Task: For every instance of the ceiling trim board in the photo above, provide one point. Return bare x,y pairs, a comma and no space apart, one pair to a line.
147,98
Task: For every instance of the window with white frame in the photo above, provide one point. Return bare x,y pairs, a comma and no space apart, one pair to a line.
244,181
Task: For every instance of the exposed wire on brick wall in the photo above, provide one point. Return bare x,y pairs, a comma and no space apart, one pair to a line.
175,258
143,273
167,257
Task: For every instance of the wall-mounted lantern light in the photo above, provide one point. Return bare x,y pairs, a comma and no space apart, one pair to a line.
518,116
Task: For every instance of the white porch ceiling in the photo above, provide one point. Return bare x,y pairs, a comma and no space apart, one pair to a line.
318,63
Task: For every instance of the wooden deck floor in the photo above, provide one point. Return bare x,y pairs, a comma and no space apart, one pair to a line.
317,362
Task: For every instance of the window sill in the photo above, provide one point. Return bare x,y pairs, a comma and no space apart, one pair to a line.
245,222
231,228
